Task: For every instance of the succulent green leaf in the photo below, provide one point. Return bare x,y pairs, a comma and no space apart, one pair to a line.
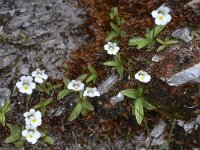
131,93
63,93
139,112
76,112
112,63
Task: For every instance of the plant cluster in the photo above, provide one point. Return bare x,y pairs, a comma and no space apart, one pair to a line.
26,85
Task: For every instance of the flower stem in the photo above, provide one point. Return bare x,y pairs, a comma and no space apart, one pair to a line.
27,99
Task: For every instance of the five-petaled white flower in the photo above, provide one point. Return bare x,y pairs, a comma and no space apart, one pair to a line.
111,48
161,15
75,85
33,117
91,92
39,75
26,85
142,76
31,134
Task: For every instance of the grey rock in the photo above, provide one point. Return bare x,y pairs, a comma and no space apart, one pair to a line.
105,86
117,98
183,34
4,95
194,4
192,73
157,58
159,129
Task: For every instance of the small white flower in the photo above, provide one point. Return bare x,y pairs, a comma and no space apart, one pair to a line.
75,85
111,48
143,76
39,75
91,92
161,15
33,118
26,85
31,134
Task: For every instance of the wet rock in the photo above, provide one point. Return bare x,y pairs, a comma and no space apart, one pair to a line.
107,84
183,34
117,98
4,95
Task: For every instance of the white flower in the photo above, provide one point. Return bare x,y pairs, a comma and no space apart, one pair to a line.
33,118
26,85
143,76
39,75
31,134
111,48
91,92
75,85
161,15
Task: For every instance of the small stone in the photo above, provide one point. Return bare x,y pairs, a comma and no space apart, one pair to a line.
117,98
4,95
107,84
159,129
183,34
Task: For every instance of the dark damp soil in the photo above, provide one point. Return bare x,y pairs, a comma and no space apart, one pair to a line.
114,127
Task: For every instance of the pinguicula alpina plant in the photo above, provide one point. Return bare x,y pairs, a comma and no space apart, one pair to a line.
31,133
78,87
33,117
26,85
143,76
112,49
115,25
91,92
75,85
39,75
162,17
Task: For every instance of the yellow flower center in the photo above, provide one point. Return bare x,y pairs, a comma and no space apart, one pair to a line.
30,136
25,87
160,17
34,120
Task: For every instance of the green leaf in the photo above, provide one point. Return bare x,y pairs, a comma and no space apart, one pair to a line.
140,91
12,138
86,104
90,78
171,42
160,48
5,107
148,105
139,42
120,70
91,69
19,145
161,41
82,77
157,30
62,94
47,102
112,63
111,36
49,140
66,81
139,112
76,112
115,28
131,93
2,119
14,129
84,111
